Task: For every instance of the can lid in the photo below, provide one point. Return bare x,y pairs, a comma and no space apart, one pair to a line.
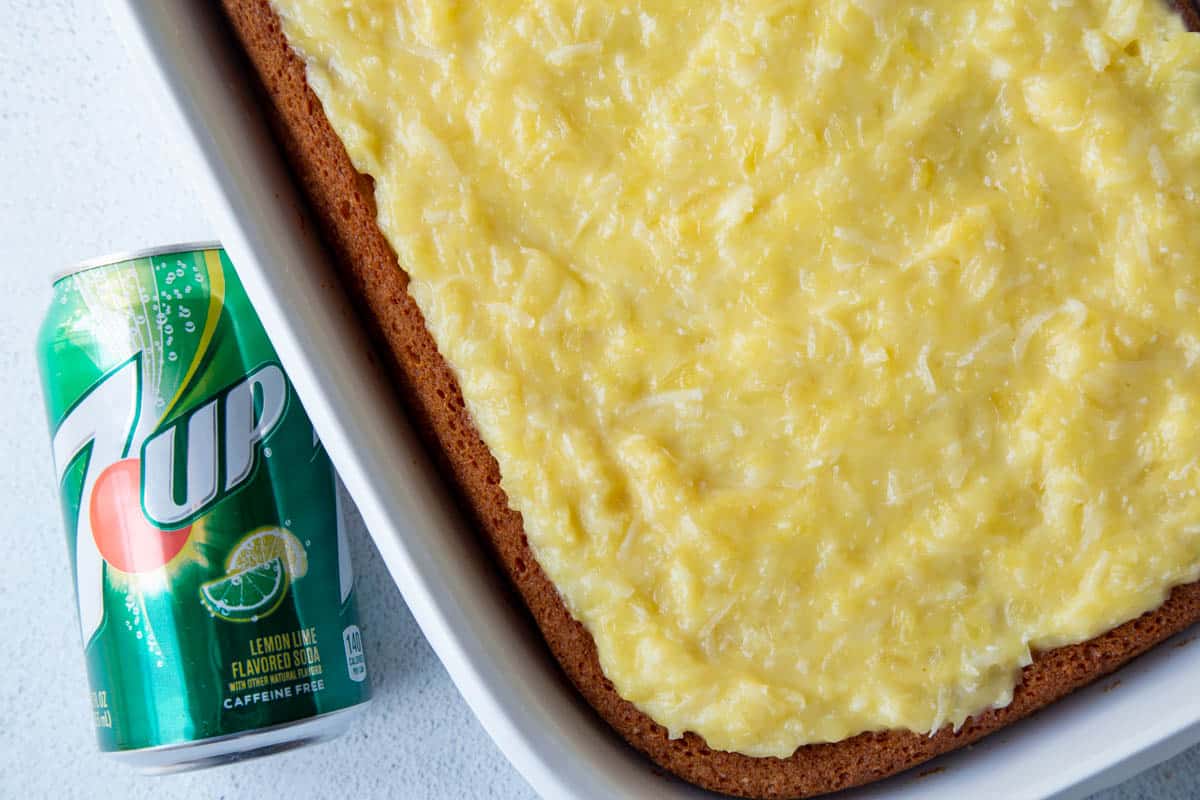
129,255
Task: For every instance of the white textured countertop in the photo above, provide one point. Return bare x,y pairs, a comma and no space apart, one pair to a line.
84,173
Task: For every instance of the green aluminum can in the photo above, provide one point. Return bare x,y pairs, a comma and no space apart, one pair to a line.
213,577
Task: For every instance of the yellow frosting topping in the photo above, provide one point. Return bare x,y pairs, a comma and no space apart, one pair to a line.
837,353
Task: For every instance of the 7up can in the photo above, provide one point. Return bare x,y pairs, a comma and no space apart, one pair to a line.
216,601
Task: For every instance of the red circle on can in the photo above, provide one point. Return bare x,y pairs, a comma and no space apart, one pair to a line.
124,536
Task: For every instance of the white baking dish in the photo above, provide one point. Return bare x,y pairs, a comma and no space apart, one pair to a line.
487,644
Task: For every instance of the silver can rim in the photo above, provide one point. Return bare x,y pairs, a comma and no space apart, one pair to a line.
109,259
239,745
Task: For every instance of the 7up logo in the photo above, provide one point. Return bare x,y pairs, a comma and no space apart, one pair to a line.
143,486
219,441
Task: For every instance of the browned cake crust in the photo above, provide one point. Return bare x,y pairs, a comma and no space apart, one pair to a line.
343,203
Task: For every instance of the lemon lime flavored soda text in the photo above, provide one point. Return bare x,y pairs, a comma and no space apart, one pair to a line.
212,571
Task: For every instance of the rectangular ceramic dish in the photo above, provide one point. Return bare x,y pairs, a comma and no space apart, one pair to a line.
195,78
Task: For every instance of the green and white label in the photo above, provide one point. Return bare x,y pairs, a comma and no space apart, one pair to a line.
195,496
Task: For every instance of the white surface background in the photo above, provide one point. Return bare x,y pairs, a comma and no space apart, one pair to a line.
83,171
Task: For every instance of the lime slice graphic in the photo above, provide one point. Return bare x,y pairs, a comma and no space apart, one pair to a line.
265,544
246,595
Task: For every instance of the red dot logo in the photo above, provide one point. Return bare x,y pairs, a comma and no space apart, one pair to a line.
125,538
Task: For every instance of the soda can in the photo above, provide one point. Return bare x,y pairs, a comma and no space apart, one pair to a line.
212,571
